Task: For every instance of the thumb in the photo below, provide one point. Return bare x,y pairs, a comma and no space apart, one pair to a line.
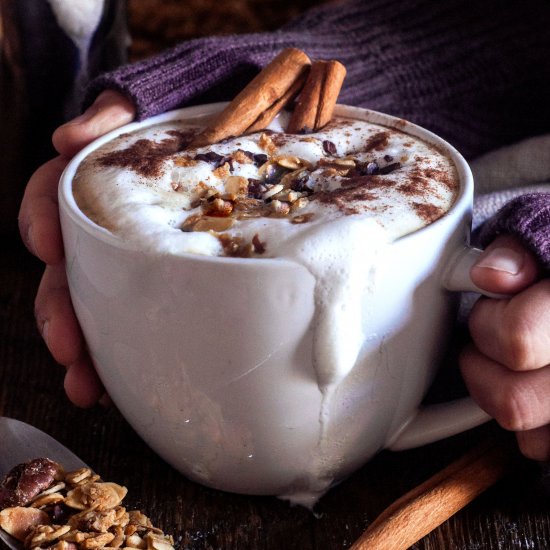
110,110
505,267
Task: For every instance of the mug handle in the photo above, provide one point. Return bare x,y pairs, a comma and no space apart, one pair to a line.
434,422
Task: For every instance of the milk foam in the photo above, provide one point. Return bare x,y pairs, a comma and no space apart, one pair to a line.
349,222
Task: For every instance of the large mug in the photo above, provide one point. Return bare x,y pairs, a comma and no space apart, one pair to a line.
210,358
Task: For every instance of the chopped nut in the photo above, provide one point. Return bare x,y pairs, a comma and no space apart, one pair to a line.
267,144
345,161
222,171
279,208
78,476
213,223
53,488
135,541
243,157
99,521
47,500
91,541
45,533
190,222
218,207
19,521
205,191
118,540
63,545
158,542
185,161
96,495
236,187
272,191
236,247
291,162
298,204
302,218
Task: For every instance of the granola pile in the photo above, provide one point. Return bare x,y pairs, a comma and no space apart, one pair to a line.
284,187
43,506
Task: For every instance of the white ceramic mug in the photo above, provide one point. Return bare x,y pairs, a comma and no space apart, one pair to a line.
210,360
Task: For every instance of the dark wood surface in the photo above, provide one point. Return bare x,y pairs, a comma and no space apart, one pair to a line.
514,514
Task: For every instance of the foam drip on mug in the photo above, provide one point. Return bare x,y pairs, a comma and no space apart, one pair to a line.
342,260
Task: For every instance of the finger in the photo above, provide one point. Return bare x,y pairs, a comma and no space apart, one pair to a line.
109,111
518,401
535,444
82,384
505,267
39,215
514,332
56,319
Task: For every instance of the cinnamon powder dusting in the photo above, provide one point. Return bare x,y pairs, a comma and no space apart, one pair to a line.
377,142
145,156
427,212
350,199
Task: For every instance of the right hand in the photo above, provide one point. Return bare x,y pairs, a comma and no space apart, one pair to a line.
41,232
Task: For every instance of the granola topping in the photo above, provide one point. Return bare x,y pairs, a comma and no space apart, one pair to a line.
269,184
75,511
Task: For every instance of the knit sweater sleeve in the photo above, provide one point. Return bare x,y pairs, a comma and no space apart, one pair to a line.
478,74
526,217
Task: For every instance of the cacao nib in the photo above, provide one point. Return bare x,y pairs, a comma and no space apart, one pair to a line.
365,169
301,184
256,188
274,173
249,154
259,159
60,513
389,168
212,158
372,168
329,147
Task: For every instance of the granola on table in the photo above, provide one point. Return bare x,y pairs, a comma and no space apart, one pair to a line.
43,506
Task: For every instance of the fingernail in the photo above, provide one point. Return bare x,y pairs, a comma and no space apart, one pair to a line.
502,259
44,329
29,240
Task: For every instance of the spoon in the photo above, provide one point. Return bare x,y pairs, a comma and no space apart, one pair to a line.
20,442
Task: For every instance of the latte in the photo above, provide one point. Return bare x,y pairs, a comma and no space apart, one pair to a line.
253,195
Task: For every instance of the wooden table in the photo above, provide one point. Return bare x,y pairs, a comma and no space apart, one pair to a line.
514,514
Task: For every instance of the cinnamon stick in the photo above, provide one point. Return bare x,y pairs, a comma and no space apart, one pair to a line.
259,102
318,98
421,510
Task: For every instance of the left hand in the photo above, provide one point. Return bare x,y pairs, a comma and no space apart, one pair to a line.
507,365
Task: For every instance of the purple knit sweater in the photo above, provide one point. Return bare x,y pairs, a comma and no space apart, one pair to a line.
476,73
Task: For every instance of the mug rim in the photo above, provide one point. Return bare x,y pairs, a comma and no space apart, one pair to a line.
68,205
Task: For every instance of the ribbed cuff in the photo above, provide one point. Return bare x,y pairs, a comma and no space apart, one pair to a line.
526,217
477,74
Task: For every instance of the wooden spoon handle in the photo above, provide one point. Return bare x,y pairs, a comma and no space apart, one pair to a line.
427,506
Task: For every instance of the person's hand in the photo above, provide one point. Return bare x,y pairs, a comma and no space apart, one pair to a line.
41,232
506,368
